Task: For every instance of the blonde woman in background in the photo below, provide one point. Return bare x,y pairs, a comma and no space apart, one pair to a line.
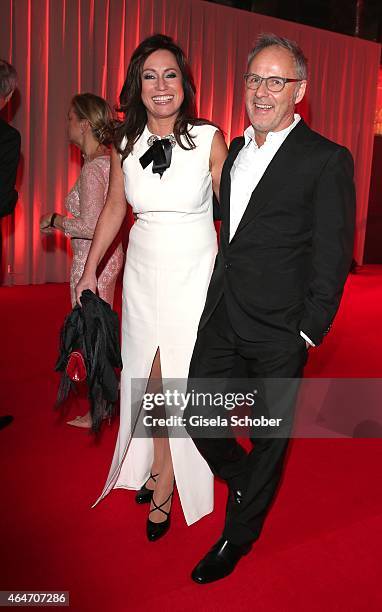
89,128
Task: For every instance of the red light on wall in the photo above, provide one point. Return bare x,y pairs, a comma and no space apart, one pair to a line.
378,110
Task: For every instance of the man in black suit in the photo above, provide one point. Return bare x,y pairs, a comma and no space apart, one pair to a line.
9,159
9,143
287,207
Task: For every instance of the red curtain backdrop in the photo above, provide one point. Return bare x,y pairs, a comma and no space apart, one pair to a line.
61,47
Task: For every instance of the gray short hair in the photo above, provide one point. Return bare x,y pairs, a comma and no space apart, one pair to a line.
269,40
8,78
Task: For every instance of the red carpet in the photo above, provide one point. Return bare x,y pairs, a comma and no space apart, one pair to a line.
321,548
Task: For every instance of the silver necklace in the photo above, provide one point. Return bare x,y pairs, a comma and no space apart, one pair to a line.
169,137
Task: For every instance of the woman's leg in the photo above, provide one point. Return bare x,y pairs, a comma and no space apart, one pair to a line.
162,463
106,286
84,421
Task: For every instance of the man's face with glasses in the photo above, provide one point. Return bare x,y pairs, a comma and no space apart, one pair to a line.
270,102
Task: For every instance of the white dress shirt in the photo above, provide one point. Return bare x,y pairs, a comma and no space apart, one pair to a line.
249,167
247,170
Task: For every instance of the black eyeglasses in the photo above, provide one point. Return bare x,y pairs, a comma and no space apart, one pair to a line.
273,83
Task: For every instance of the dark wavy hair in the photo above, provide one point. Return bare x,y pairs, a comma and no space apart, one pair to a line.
131,105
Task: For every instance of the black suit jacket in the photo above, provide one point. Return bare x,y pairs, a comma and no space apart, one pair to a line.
9,159
285,268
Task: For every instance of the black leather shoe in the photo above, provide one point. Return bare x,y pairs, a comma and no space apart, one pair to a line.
145,495
5,420
154,531
219,562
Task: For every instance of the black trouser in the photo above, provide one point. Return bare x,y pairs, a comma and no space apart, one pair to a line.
258,472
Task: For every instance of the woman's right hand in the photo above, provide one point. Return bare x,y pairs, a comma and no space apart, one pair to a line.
87,281
45,226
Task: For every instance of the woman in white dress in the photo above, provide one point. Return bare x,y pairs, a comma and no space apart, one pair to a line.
169,262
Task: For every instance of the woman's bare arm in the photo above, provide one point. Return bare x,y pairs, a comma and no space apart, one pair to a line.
218,155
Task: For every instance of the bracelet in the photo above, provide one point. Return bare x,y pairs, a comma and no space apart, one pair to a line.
52,220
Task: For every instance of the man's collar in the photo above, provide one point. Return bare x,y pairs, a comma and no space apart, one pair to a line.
249,133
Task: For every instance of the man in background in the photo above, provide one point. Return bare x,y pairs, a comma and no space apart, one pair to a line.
9,159
9,143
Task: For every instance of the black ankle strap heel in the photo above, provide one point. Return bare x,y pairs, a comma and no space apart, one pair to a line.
144,495
155,531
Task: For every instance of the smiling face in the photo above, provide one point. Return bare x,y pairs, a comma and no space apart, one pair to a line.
268,111
162,89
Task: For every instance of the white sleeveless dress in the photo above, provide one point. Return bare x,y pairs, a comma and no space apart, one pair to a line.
169,262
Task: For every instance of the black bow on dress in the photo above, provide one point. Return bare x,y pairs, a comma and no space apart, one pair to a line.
160,154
